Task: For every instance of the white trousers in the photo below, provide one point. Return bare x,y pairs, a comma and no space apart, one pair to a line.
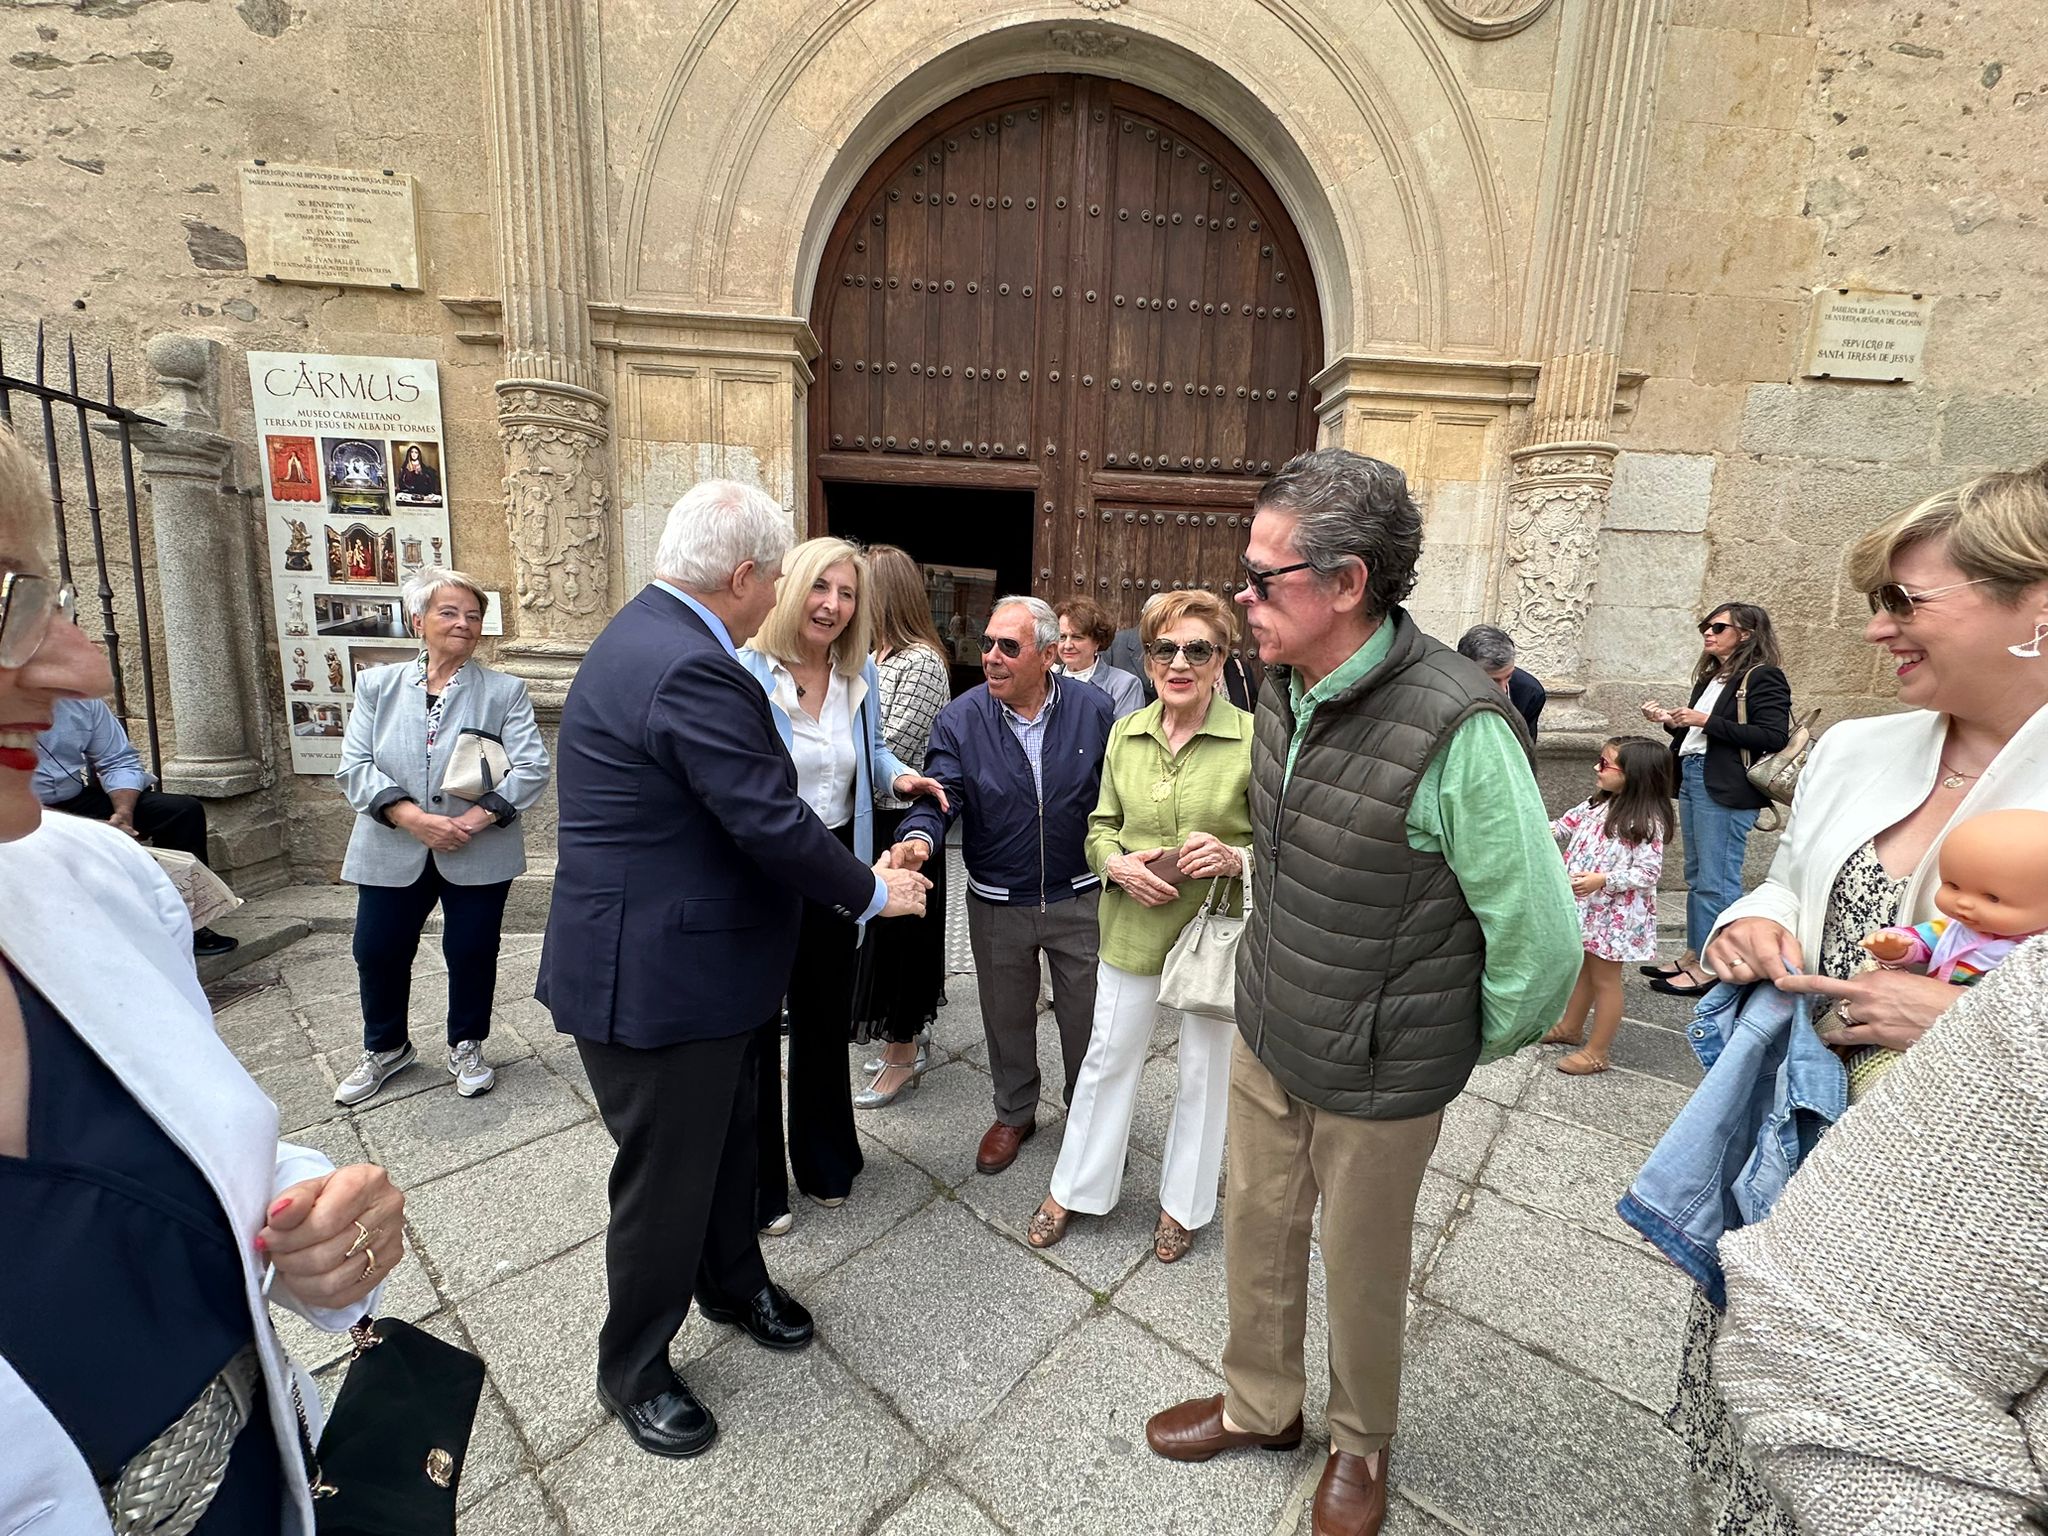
1090,1175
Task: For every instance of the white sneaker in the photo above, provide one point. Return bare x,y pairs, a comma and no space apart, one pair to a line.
372,1072
780,1226
467,1066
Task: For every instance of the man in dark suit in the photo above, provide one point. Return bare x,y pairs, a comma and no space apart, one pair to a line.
685,855
1494,649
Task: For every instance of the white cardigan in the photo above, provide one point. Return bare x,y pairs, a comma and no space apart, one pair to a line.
1867,775
90,921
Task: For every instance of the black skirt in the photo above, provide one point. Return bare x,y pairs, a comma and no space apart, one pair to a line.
903,963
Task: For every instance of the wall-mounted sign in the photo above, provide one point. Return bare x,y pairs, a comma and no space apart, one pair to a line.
321,224
1865,333
355,502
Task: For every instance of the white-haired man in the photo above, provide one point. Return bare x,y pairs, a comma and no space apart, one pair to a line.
1020,757
685,855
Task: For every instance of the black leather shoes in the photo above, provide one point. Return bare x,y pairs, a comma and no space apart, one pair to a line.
774,1318
206,942
671,1423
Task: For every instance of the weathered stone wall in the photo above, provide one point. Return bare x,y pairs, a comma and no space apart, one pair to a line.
1799,145
122,127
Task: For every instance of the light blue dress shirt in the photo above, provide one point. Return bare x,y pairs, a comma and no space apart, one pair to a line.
84,735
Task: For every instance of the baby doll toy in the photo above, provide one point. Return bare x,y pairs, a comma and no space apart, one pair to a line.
1993,895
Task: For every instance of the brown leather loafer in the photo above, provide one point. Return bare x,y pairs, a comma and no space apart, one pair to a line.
999,1146
1350,1500
1193,1431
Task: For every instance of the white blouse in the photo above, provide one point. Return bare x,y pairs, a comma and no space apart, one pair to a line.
1695,743
823,749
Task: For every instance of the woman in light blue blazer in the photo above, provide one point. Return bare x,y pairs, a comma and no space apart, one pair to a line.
811,657
416,844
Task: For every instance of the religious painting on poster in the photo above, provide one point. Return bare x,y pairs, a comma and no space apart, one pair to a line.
355,502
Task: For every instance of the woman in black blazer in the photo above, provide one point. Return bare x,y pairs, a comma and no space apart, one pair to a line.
1740,710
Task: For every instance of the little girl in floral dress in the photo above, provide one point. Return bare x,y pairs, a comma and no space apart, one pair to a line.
1614,852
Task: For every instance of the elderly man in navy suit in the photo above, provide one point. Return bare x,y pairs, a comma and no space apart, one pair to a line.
685,855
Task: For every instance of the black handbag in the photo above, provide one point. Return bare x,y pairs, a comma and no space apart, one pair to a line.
391,1452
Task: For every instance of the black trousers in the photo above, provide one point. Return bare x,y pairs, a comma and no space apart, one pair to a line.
824,1152
388,923
682,1197
169,821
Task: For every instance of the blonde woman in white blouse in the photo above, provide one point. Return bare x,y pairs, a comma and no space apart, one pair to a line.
811,656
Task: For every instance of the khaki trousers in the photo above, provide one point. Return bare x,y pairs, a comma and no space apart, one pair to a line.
1283,1154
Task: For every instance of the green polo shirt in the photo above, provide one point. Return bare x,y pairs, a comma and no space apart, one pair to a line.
1207,788
1477,804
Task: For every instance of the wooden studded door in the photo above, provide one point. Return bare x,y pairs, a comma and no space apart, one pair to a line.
1070,286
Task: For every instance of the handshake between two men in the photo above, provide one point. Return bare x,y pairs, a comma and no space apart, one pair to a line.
900,865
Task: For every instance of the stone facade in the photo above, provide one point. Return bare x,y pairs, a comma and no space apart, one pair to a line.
1563,249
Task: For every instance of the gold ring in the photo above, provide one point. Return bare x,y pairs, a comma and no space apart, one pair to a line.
369,1262
364,1238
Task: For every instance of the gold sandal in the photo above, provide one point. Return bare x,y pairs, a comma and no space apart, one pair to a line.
1045,1229
1170,1240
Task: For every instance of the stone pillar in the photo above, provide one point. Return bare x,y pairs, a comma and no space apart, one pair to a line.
1563,470
553,419
202,543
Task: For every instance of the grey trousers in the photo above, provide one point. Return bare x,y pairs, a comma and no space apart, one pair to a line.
1007,942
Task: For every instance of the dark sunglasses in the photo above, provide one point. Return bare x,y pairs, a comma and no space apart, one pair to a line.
27,605
1715,626
1898,602
1256,579
1010,648
1198,652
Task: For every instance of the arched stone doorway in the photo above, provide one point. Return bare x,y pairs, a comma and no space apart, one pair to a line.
1066,328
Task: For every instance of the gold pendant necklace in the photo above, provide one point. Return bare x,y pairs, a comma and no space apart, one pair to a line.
1955,778
1169,773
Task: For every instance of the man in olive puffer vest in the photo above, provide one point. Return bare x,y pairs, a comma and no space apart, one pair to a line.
1411,919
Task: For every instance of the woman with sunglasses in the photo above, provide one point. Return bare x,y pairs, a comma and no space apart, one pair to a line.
1175,790
1958,595
152,1211
1740,709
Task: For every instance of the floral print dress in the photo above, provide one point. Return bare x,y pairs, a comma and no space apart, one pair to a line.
1618,921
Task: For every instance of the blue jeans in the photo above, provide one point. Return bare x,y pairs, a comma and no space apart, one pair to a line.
1715,838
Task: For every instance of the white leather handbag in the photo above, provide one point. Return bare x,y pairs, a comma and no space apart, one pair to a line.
1201,969
477,764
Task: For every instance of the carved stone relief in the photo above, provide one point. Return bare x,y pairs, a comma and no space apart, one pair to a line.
557,504
1556,500
1487,18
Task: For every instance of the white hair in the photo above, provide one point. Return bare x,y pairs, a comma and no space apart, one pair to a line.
422,584
1045,623
718,526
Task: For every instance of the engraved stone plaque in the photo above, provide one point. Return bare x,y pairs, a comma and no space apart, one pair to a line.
1865,333
320,224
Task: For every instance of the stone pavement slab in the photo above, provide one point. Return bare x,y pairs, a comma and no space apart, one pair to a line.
963,1382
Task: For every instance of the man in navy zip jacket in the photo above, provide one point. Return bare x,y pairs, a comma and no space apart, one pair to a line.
685,855
1020,758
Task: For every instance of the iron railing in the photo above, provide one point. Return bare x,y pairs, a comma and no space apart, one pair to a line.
79,412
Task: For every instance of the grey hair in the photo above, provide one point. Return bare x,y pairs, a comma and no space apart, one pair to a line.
1489,645
718,526
1044,622
422,584
1350,507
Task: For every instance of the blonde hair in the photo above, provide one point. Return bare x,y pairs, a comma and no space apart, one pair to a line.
1169,608
1993,529
24,508
420,587
801,567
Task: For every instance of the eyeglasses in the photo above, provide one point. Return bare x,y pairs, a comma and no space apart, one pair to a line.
1715,626
1256,579
1198,652
1010,648
1898,602
1608,765
27,604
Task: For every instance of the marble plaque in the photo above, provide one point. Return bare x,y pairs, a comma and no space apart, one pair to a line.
321,224
1864,333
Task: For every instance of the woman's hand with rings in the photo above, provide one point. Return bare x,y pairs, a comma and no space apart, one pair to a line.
1204,856
1888,1008
332,1238
1136,881
1766,950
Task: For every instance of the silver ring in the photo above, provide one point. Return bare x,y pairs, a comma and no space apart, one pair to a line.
1844,1015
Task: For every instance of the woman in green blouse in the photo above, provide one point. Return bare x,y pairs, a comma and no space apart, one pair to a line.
1174,788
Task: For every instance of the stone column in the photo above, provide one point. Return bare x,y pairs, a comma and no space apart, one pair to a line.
1564,468
202,542
553,419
